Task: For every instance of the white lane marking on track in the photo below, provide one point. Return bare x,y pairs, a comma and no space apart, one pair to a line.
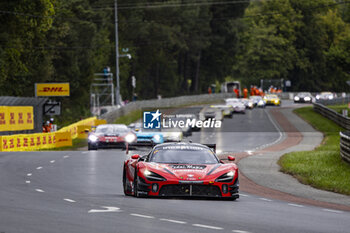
244,195
29,174
66,156
69,200
40,190
279,132
249,152
173,221
27,181
207,226
295,205
333,211
38,168
108,209
84,152
265,199
239,231
141,216
52,161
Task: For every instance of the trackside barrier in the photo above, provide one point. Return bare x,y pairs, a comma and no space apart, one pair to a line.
345,146
341,120
332,115
16,118
37,141
77,130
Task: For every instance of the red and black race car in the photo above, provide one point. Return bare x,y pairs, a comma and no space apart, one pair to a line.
180,169
110,136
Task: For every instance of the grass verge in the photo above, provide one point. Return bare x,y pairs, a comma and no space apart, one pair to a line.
129,118
339,108
323,167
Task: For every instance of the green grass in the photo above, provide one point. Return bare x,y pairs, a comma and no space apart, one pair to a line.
322,168
129,118
339,108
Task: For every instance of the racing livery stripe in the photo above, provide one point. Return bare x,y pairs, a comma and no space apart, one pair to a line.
213,169
168,171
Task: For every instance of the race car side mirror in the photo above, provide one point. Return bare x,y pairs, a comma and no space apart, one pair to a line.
136,156
231,158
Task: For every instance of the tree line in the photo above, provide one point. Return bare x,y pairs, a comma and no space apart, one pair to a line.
178,47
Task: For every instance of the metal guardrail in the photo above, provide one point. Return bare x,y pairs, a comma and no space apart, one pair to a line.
338,118
345,146
341,120
338,100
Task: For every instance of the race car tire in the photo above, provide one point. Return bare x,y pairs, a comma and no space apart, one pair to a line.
91,147
136,189
125,187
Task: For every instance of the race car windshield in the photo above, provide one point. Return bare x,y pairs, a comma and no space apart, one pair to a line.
111,130
184,156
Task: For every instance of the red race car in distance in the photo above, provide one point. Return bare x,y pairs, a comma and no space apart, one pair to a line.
111,136
180,170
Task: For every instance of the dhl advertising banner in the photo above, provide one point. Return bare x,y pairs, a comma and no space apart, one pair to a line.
32,142
77,129
14,118
52,89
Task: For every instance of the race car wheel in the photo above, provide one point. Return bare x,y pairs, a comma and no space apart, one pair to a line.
90,147
125,186
136,190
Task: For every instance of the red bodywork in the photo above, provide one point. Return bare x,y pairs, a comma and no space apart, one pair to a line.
181,179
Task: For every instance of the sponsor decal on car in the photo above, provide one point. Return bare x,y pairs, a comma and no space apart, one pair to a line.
188,166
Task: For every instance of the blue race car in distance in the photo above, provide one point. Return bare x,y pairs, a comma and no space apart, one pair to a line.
146,137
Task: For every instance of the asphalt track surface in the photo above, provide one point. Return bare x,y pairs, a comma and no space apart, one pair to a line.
81,191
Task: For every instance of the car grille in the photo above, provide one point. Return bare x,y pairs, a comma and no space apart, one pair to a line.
111,144
190,190
144,137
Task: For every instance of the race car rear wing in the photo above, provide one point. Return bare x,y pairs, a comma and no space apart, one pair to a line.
211,146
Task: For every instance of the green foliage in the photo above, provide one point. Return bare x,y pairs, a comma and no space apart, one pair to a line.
306,42
129,118
175,50
322,168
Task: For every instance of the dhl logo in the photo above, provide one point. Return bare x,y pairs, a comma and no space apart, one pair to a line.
53,89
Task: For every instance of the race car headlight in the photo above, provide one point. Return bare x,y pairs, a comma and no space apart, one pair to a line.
227,177
147,173
176,135
152,176
276,101
93,138
261,102
330,97
307,98
296,98
250,104
130,138
317,96
156,138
